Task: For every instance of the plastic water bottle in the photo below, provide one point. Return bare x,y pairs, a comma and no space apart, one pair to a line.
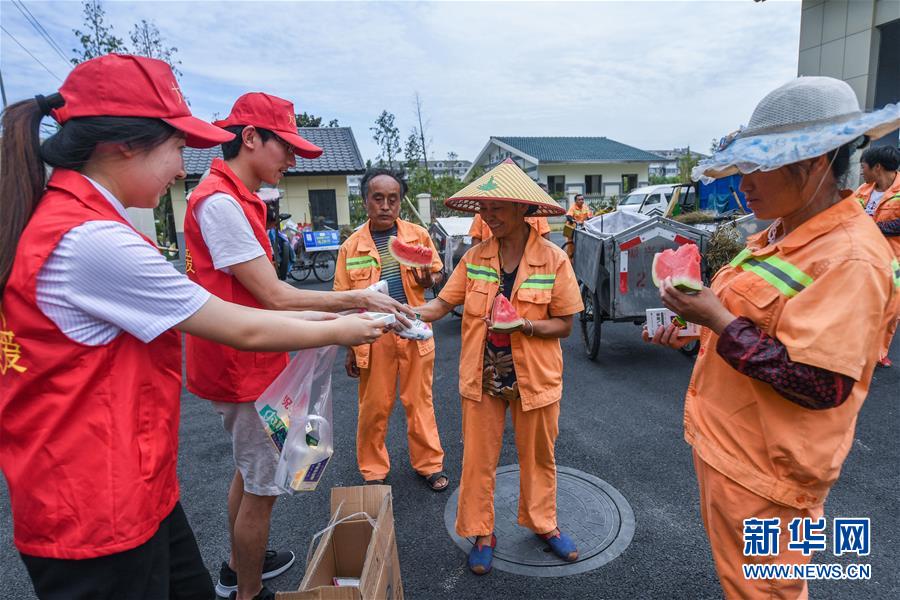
307,450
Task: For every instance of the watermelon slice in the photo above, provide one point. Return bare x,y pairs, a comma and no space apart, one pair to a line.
415,257
682,265
503,315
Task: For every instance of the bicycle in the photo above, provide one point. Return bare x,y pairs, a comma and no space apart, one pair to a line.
569,233
321,263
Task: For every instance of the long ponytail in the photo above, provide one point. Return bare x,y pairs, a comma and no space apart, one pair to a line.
22,172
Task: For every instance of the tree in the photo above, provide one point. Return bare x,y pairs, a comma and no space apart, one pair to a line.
421,131
387,136
452,156
412,150
97,38
309,120
685,165
147,41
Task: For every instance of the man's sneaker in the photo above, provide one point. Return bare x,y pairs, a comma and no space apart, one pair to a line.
275,564
264,594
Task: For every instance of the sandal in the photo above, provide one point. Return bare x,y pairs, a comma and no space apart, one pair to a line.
481,557
433,479
561,545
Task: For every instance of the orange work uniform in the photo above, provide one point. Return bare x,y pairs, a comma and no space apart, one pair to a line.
480,229
888,209
389,358
580,214
824,291
545,287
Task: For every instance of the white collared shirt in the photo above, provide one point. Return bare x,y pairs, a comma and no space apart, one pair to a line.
226,231
103,278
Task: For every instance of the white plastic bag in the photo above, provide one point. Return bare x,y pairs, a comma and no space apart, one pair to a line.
296,412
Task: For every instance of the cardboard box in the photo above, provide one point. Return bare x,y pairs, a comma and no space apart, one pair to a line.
353,547
663,317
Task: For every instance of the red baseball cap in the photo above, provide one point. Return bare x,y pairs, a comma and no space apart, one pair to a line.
121,85
272,113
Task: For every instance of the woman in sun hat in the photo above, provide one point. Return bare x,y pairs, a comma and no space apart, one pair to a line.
791,328
879,195
90,353
520,367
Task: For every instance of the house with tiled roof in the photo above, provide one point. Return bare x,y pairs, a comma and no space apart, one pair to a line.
313,191
597,167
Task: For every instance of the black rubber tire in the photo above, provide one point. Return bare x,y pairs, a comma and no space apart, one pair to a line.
324,264
282,260
300,271
590,323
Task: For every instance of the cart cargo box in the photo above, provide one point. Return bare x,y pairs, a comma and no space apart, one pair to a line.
613,263
358,543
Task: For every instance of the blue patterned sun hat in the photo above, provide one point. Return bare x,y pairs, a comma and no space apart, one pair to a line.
802,119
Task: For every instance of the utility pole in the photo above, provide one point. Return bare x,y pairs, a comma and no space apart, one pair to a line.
2,90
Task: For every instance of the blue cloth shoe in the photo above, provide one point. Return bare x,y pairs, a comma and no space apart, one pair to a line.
481,557
562,546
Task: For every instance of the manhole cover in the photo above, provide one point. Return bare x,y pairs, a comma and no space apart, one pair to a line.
590,510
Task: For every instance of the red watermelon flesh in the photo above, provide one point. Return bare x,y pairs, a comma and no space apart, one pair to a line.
682,265
415,257
503,315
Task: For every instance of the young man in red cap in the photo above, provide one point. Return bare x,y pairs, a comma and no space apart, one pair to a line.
231,257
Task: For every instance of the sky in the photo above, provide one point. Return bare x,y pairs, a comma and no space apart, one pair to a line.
654,75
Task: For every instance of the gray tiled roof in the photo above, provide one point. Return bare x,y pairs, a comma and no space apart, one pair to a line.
574,149
340,154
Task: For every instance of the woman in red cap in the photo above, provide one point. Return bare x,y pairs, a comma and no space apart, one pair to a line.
90,351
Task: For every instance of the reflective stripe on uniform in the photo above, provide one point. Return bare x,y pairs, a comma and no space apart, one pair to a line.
541,281
361,262
780,274
483,273
895,269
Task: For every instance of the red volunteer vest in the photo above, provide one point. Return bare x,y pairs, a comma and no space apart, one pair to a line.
88,434
214,371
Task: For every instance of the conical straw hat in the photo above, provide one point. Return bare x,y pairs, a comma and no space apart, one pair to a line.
505,182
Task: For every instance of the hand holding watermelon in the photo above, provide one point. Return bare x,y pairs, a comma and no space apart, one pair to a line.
504,318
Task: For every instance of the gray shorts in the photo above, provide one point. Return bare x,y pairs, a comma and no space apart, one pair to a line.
255,456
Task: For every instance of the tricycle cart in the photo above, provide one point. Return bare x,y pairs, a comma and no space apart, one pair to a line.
613,261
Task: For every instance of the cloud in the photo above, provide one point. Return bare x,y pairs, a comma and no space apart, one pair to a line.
650,74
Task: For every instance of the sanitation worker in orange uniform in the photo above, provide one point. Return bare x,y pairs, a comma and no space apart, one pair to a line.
786,347
364,260
518,368
880,197
579,211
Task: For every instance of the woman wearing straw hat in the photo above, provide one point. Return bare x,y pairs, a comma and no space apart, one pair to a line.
520,368
791,331
90,349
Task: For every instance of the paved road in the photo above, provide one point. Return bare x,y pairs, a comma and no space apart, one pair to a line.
621,421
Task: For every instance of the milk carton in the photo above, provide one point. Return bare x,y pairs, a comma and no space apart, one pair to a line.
663,317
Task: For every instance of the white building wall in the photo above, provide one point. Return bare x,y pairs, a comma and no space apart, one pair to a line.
840,39
611,173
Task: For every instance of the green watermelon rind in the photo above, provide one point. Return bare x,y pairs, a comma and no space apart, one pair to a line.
511,325
395,247
688,285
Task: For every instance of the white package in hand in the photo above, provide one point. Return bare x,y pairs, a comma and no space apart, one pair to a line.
296,412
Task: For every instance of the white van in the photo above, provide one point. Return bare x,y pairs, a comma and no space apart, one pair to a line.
649,200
